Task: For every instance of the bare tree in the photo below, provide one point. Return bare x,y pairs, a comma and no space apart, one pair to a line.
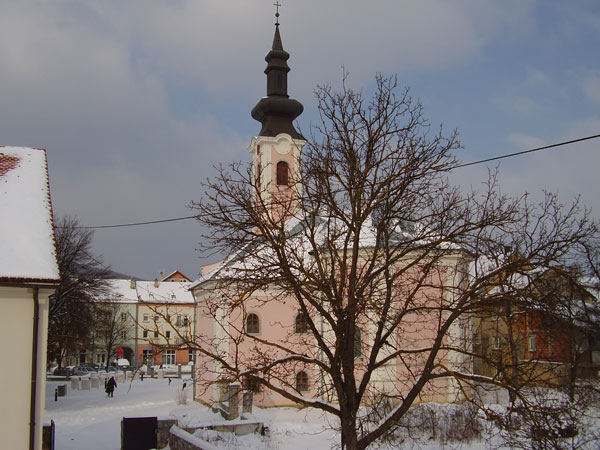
382,260
113,327
83,275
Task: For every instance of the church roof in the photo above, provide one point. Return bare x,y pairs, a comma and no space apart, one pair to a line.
402,233
27,242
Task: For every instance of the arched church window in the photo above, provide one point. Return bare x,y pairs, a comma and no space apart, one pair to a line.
301,382
357,342
252,324
282,173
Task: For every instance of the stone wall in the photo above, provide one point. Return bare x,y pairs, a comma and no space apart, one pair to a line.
162,431
182,440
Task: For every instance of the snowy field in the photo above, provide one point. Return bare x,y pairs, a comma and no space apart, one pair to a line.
90,420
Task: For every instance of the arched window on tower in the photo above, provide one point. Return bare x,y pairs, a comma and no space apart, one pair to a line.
282,173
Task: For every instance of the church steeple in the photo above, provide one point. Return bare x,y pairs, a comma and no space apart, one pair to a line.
277,111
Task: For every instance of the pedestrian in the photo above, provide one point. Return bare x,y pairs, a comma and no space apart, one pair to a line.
142,376
169,380
184,385
110,386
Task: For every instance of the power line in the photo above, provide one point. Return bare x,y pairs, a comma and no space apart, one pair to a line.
481,161
134,224
510,155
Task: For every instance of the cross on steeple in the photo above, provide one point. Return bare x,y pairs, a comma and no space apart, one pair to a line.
277,5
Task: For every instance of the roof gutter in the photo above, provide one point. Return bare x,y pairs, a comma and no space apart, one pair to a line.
34,367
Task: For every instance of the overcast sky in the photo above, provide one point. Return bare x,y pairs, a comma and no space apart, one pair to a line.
136,100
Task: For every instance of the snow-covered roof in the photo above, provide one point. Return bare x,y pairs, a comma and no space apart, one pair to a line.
163,292
402,233
175,272
121,291
27,242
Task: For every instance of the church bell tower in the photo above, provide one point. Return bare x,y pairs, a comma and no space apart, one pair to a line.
277,149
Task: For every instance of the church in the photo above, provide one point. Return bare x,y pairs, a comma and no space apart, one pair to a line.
275,344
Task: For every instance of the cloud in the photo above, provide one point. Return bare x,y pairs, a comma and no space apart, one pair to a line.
538,78
521,105
569,170
591,87
525,142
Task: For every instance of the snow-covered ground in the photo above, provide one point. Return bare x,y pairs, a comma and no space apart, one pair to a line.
91,420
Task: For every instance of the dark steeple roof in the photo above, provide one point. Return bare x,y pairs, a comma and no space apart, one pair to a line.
277,111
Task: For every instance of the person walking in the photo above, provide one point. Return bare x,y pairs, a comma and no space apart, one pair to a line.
110,386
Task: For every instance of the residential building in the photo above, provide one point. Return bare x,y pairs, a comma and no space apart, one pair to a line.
29,274
175,276
114,333
165,322
552,338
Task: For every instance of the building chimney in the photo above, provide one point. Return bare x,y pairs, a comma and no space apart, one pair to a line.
161,276
131,284
156,282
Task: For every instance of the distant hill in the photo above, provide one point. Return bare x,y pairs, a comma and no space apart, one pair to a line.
121,276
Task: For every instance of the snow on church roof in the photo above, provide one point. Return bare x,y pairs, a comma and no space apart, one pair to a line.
27,242
402,233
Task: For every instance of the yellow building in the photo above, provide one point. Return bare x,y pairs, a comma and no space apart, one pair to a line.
29,274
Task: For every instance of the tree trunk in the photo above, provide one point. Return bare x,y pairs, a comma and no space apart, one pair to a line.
349,439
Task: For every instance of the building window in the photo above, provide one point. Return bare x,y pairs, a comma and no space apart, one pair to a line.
156,334
357,342
252,324
169,357
156,319
123,317
146,317
147,356
167,334
123,334
301,382
190,355
98,333
301,325
497,342
145,333
251,384
186,321
282,173
532,346
179,321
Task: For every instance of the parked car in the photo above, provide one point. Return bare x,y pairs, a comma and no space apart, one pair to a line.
82,370
62,371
